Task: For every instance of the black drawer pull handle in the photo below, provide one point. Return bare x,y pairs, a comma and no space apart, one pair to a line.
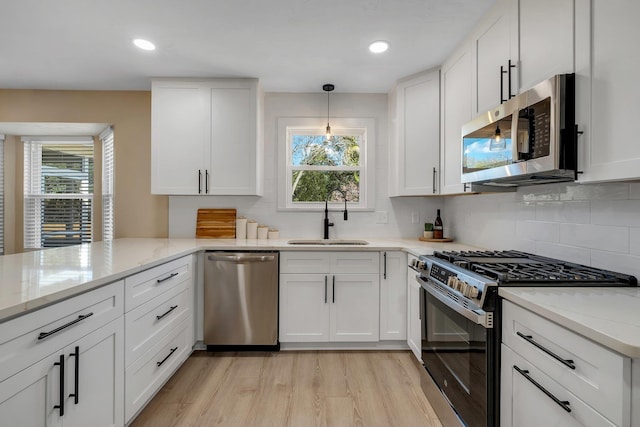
60,406
567,362
168,356
76,381
325,289
171,276
173,307
80,318
564,404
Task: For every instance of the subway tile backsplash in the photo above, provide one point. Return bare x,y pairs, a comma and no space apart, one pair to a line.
592,224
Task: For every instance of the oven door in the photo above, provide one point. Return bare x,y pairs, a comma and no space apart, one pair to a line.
456,351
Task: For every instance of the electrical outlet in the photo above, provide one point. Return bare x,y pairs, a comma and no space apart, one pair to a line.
415,217
381,217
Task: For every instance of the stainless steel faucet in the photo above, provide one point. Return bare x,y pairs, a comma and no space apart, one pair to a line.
328,224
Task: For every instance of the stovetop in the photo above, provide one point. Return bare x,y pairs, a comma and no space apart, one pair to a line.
515,268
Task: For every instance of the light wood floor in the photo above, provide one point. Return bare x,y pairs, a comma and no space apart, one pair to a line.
307,388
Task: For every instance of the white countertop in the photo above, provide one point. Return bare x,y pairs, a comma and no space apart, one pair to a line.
34,279
608,316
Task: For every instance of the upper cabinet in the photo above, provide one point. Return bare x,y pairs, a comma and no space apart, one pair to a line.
456,107
414,155
607,89
206,137
493,52
518,44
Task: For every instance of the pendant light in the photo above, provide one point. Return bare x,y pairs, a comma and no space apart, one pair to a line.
497,142
328,88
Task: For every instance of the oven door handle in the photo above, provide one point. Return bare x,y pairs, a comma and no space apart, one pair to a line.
477,318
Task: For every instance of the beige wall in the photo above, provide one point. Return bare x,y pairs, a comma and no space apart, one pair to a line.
137,212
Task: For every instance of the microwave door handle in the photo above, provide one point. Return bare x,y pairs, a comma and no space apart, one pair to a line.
515,136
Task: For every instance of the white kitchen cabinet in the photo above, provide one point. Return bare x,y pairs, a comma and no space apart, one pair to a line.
546,40
523,404
206,137
606,89
593,380
159,324
414,313
329,297
44,394
518,44
415,162
456,111
493,48
393,295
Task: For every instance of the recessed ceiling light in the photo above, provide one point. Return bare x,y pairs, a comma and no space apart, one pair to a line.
144,44
379,46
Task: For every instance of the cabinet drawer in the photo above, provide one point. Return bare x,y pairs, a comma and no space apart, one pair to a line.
148,284
147,374
27,339
147,322
305,262
524,404
591,372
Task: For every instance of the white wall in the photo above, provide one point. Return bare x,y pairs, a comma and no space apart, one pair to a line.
592,224
182,209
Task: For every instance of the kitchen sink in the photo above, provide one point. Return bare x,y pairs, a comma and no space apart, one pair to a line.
328,242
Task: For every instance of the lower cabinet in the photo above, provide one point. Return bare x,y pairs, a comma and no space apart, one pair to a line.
393,295
329,297
414,315
78,385
552,376
323,307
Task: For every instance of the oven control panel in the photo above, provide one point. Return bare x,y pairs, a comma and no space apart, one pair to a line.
450,278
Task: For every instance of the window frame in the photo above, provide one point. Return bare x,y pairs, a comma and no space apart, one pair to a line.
32,191
107,139
288,126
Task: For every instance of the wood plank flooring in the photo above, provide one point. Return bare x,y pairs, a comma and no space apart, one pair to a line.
306,388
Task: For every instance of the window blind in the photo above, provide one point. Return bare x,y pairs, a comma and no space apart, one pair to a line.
1,194
108,170
58,191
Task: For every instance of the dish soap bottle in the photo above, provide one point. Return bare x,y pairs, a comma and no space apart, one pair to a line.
437,227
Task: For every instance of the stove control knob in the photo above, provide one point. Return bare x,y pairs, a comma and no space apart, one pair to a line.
473,292
463,287
421,265
452,282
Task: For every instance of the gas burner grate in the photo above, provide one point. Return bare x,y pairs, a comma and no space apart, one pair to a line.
519,268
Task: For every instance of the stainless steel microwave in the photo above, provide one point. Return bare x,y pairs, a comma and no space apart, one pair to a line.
530,139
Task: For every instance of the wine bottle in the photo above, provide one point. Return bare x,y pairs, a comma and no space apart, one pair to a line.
438,227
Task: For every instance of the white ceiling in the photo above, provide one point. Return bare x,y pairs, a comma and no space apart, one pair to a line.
290,45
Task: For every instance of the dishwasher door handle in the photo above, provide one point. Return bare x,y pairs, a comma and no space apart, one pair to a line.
242,259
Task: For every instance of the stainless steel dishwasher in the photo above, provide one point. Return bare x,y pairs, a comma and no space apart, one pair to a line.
241,301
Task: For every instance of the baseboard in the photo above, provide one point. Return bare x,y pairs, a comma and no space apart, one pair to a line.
378,345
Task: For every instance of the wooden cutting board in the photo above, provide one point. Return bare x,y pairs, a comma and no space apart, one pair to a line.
216,224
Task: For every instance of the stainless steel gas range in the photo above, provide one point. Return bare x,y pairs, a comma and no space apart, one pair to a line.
461,322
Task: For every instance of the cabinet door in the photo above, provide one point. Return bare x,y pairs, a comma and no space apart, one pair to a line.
95,373
28,398
304,307
180,137
492,48
355,307
456,111
393,296
607,89
418,132
414,315
524,404
233,169
546,37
